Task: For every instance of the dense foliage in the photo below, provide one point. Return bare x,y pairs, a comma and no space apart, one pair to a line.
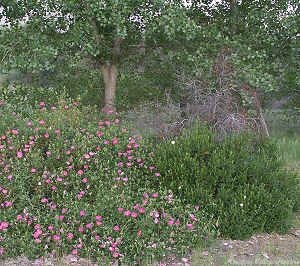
161,38
239,180
74,183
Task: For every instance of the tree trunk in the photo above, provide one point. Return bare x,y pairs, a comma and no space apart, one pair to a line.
109,74
234,17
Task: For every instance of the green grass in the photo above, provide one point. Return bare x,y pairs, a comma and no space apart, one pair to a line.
289,147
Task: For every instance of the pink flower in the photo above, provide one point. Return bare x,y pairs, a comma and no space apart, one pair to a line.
19,154
193,217
156,214
98,223
134,214
80,172
116,228
155,195
70,236
74,252
98,218
42,122
50,227
84,180
33,170
42,104
19,217
86,156
37,233
89,225
171,222
56,237
114,141
82,213
8,204
60,217
136,206
142,210
127,213
2,250
99,134
3,225
44,200
15,131
157,174
65,173
189,226
115,255
80,229
97,237
64,210
139,233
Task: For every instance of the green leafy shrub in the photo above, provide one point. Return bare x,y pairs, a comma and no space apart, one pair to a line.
22,95
74,182
240,180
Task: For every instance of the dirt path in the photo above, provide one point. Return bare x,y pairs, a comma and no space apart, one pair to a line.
264,249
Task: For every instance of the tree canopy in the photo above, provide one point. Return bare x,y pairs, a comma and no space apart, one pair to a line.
263,36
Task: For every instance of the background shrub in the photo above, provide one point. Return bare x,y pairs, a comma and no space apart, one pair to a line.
240,180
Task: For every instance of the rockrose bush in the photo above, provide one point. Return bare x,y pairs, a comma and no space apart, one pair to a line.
72,182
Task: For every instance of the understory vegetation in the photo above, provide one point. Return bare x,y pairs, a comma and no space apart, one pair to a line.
75,181
135,132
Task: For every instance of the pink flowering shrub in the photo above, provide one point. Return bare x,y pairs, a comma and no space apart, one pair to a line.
72,182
